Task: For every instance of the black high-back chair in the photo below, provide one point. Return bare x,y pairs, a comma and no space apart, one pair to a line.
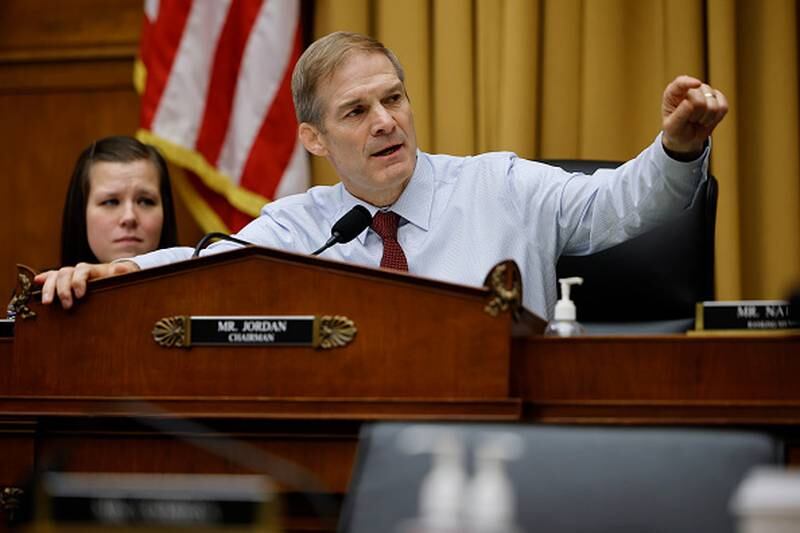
574,479
652,282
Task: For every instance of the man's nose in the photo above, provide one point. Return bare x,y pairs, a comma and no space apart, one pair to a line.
382,121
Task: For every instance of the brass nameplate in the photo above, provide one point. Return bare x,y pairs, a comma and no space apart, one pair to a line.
316,331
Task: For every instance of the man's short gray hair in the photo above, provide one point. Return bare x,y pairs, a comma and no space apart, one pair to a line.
320,61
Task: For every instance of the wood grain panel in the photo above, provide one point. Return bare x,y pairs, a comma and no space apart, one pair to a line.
39,29
96,77
670,379
16,450
260,408
6,362
416,339
327,457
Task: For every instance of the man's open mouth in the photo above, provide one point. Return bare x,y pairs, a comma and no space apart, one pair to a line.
387,151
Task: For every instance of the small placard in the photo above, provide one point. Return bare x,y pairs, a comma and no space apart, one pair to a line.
744,315
252,330
6,328
163,502
303,330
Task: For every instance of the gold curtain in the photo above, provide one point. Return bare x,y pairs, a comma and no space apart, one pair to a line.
583,79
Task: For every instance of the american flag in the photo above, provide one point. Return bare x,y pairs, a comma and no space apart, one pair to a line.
215,84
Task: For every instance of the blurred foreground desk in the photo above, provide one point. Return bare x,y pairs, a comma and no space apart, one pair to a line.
73,384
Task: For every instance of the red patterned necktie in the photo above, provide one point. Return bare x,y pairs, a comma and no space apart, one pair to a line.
385,224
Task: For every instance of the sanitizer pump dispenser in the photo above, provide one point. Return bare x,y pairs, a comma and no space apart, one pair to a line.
564,323
441,491
489,500
442,488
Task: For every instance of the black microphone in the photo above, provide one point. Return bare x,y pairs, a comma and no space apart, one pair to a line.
348,227
216,235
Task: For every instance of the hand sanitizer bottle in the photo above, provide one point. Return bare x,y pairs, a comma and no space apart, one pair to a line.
564,323
442,489
441,492
489,501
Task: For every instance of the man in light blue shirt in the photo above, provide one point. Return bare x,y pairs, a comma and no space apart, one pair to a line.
459,216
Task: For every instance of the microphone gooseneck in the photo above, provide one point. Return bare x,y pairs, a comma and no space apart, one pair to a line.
216,235
348,227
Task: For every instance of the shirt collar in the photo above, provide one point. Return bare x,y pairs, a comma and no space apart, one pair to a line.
415,202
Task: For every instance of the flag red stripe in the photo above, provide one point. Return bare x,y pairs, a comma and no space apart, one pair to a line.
273,147
270,153
224,76
159,49
233,218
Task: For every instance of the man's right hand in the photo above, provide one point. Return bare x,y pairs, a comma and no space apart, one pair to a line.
69,281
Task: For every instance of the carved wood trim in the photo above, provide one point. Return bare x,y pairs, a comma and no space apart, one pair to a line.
10,499
271,408
54,55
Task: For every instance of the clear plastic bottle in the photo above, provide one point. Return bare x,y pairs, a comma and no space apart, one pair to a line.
442,489
489,501
564,323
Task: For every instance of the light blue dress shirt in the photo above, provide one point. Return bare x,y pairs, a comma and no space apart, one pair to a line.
460,216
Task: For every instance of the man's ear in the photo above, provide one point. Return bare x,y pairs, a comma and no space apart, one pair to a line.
311,138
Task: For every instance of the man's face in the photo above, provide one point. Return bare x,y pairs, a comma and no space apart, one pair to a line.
368,128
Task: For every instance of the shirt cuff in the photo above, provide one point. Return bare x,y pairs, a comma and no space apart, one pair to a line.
697,167
162,257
